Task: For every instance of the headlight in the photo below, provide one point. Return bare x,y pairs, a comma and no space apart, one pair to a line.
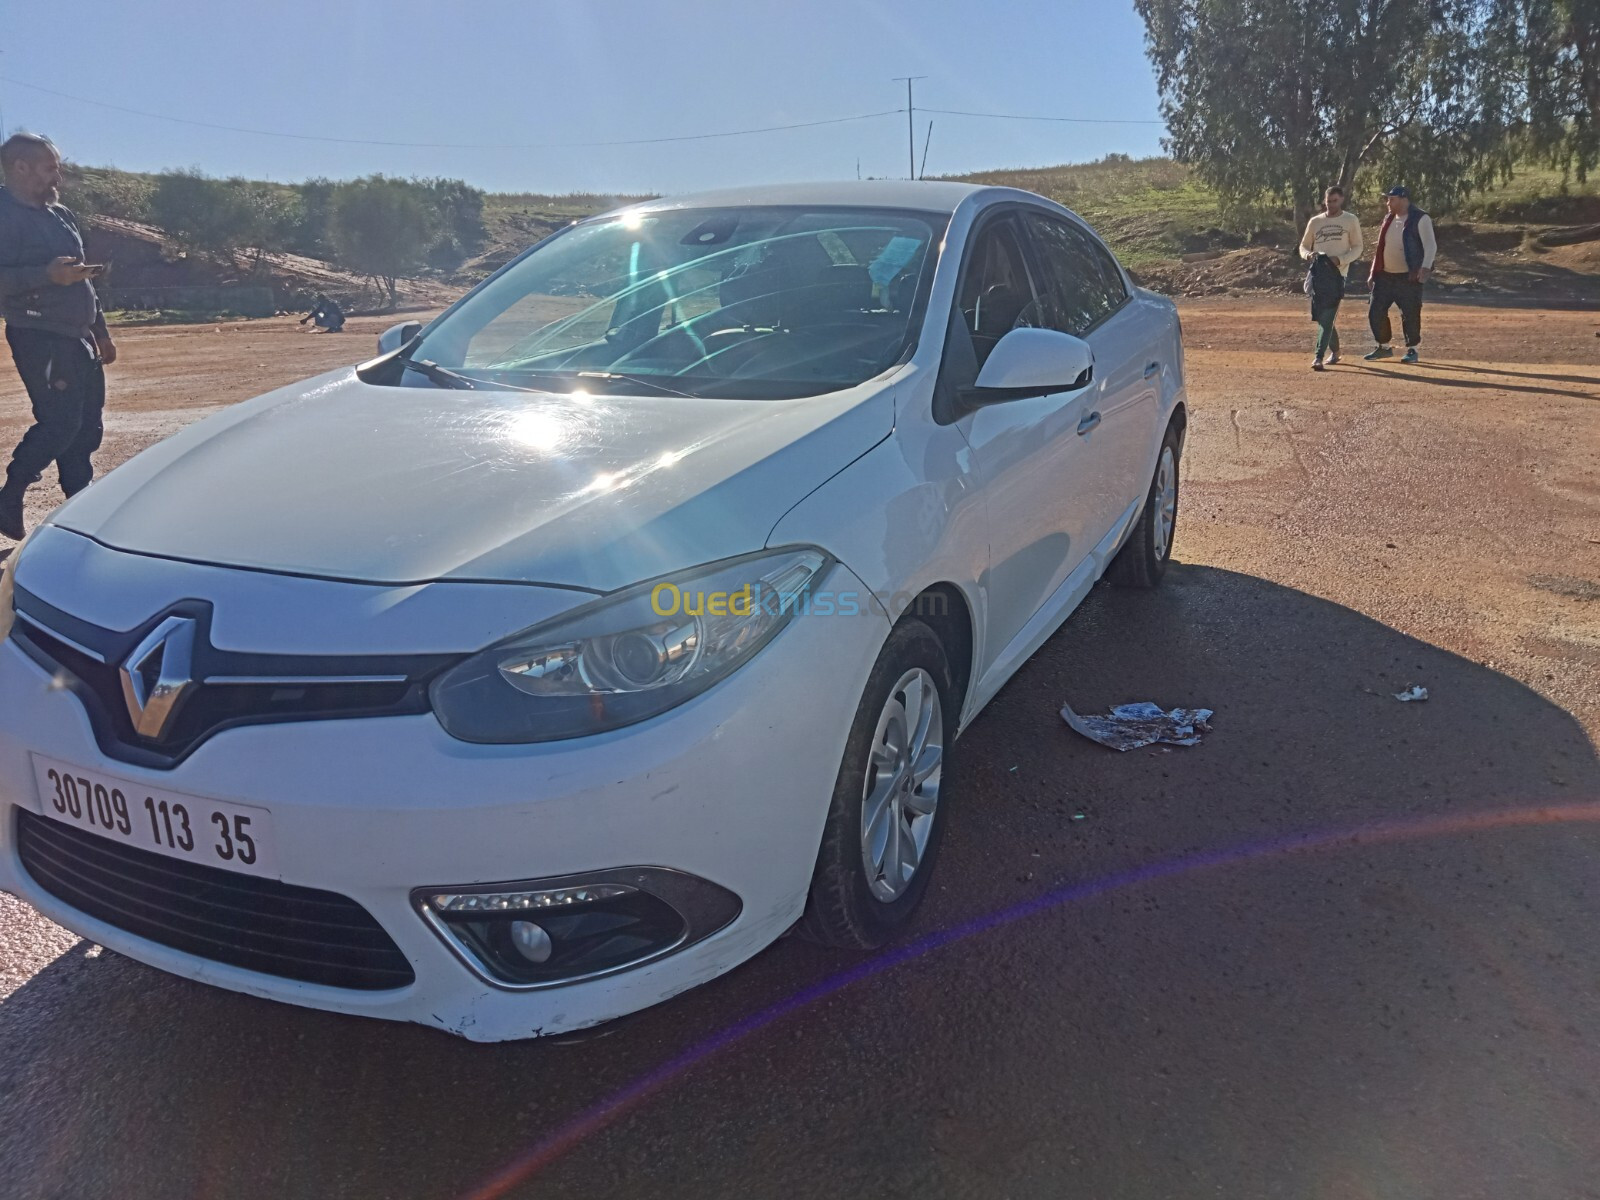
8,590
627,657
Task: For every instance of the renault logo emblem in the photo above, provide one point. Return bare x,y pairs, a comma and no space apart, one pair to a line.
159,675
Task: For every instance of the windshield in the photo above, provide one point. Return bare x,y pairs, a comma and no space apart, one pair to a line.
758,303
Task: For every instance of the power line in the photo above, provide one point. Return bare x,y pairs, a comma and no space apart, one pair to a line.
952,112
308,137
909,110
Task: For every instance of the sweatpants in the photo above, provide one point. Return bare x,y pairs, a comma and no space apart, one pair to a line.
66,384
1327,340
1390,288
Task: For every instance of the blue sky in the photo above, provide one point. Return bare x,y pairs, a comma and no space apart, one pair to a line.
506,73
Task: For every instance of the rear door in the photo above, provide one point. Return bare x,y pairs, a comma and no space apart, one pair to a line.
1087,296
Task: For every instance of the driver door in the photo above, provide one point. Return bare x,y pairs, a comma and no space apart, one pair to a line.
1025,452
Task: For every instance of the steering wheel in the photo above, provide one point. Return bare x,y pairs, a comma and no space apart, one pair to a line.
841,333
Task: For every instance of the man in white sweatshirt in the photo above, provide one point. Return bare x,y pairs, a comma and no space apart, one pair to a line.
1332,241
1400,266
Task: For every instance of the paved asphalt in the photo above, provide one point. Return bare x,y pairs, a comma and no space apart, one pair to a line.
1139,976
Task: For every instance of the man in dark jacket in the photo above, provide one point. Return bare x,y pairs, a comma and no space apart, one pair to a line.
54,325
327,314
1401,264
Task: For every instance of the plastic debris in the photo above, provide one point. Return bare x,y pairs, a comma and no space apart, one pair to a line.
1129,726
1414,692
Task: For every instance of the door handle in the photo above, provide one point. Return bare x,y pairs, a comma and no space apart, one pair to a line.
1153,369
1088,423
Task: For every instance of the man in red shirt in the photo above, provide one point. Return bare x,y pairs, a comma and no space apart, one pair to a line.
1400,266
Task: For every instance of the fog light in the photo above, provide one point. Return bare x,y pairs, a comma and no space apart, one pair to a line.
532,942
538,933
447,902
581,931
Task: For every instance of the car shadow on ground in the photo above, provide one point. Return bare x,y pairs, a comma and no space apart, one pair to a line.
1412,1005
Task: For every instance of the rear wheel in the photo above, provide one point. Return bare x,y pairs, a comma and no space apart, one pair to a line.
886,816
1143,559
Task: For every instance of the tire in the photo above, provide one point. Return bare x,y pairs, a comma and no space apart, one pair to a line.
1143,559
859,905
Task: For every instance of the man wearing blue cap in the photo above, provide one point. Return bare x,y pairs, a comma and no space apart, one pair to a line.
1400,266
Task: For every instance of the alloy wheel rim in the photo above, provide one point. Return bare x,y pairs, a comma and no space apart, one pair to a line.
900,793
1166,501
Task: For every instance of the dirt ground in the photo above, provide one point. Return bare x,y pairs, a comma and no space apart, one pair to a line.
1136,976
1457,501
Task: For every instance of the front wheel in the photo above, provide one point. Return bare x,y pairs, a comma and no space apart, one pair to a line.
1143,559
886,815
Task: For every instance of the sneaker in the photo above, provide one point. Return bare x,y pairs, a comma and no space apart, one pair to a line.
1316,364
1333,359
1380,352
1410,355
11,524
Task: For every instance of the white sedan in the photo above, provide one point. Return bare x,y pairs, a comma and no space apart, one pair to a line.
596,634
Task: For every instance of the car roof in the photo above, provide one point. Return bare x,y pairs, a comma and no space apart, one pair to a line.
922,195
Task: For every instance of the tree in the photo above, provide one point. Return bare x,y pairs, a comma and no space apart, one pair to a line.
312,237
1560,40
221,217
267,216
199,213
1278,98
382,228
90,191
460,210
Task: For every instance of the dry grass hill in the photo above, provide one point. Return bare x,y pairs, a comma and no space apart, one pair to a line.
1536,238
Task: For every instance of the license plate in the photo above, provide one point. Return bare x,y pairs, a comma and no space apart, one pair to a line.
216,833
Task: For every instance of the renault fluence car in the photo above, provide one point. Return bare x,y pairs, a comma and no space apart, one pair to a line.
603,630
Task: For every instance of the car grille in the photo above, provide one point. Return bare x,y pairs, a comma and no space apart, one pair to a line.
233,689
258,924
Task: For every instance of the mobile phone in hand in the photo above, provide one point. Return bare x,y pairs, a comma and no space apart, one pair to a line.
97,269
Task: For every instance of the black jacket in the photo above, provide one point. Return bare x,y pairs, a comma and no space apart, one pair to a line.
1324,283
30,238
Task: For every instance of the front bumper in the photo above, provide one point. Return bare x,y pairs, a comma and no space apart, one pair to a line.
732,788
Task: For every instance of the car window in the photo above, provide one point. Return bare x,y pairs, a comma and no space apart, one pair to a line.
756,302
996,294
572,306
1082,282
1116,286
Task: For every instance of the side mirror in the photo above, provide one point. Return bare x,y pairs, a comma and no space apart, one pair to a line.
1032,362
392,338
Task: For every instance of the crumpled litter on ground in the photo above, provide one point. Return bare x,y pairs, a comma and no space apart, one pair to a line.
1414,692
1129,726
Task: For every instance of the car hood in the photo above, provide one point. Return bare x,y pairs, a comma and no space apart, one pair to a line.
342,479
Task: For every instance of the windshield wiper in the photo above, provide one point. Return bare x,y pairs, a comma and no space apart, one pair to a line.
443,376
642,380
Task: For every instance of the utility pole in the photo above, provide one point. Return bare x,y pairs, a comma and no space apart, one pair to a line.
922,173
911,121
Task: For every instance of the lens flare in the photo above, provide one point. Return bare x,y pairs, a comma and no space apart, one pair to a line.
566,1137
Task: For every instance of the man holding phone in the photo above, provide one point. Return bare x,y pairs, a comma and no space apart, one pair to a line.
54,325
